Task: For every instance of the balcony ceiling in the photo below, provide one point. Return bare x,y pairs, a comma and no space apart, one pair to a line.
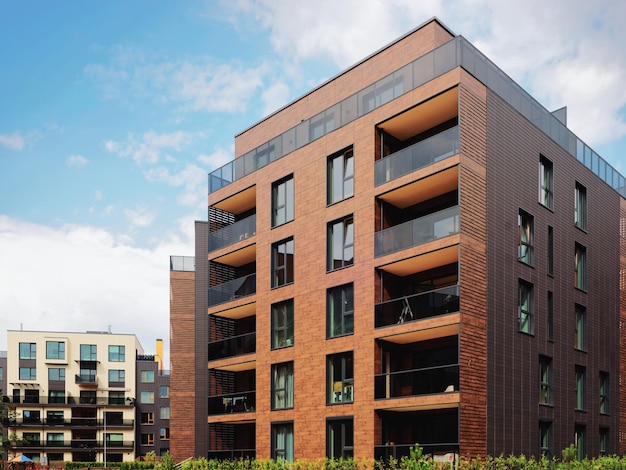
240,202
423,189
438,401
424,116
238,258
241,311
239,367
416,336
423,262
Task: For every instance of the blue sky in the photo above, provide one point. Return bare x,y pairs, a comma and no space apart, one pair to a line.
113,112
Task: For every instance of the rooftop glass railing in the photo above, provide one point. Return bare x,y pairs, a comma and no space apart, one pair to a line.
233,233
182,263
456,52
231,290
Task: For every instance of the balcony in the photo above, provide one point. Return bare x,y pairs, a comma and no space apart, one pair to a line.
86,379
424,229
410,383
233,346
240,402
397,451
232,290
417,307
235,454
233,233
418,155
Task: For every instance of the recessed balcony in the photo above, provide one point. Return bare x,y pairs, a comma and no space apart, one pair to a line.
233,233
232,290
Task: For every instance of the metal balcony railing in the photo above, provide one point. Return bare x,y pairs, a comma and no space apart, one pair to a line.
233,233
419,155
233,346
234,454
417,231
397,451
409,383
239,402
231,290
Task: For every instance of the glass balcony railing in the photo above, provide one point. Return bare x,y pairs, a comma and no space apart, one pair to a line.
234,454
397,451
86,379
417,231
232,233
417,307
182,263
231,290
409,383
419,155
233,346
239,402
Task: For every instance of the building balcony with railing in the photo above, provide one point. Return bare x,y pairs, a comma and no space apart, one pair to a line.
232,390
232,441
229,337
232,289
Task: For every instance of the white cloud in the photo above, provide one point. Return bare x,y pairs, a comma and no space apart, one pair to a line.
76,161
141,217
12,141
148,148
274,97
217,159
191,178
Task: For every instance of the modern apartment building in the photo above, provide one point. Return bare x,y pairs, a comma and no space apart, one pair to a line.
416,251
73,396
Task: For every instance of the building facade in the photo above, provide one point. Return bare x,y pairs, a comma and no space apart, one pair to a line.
72,395
415,251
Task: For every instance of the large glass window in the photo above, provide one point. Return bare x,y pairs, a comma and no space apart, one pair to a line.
525,307
117,375
282,441
545,380
282,201
580,332
282,324
340,438
581,388
282,385
545,439
88,352
282,263
546,177
28,350
28,373
340,243
116,398
56,396
147,376
55,350
580,206
604,392
580,268
165,412
525,247
340,176
340,373
147,397
53,437
54,417
340,311
117,353
55,373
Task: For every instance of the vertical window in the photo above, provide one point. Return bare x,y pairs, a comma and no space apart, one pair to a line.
282,386
580,443
164,434
1,373
282,441
282,201
55,350
340,243
604,392
340,373
282,263
550,250
147,397
55,373
147,418
545,439
56,396
550,316
340,311
546,177
88,352
340,438
580,332
604,441
525,252
581,386
164,391
28,350
165,412
340,176
525,307
147,376
580,269
580,206
117,353
117,375
28,373
147,439
282,324
545,380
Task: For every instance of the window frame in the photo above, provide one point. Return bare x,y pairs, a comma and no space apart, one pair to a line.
283,270
545,381
604,393
57,352
146,376
546,182
119,374
550,251
283,200
149,415
28,373
117,353
60,373
165,412
340,238
581,388
580,328
346,426
91,355
546,443
167,391
283,324
550,316
580,206
285,453
525,316
343,363
27,350
580,267
149,397
282,372
525,238
340,323
340,176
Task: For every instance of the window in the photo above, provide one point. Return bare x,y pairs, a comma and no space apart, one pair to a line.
525,252
550,316
117,375
54,417
580,331
164,434
116,398
164,391
32,437
525,307
604,441
56,374
282,201
282,386
31,416
282,324
147,439
282,441
147,376
545,380
545,439
28,350
1,373
580,206
340,311
147,418
340,373
339,438
88,352
604,392
340,243
550,251
147,397
55,350
340,176
581,386
28,373
580,441
165,412
580,270
56,396
545,182
117,353
87,375
282,263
